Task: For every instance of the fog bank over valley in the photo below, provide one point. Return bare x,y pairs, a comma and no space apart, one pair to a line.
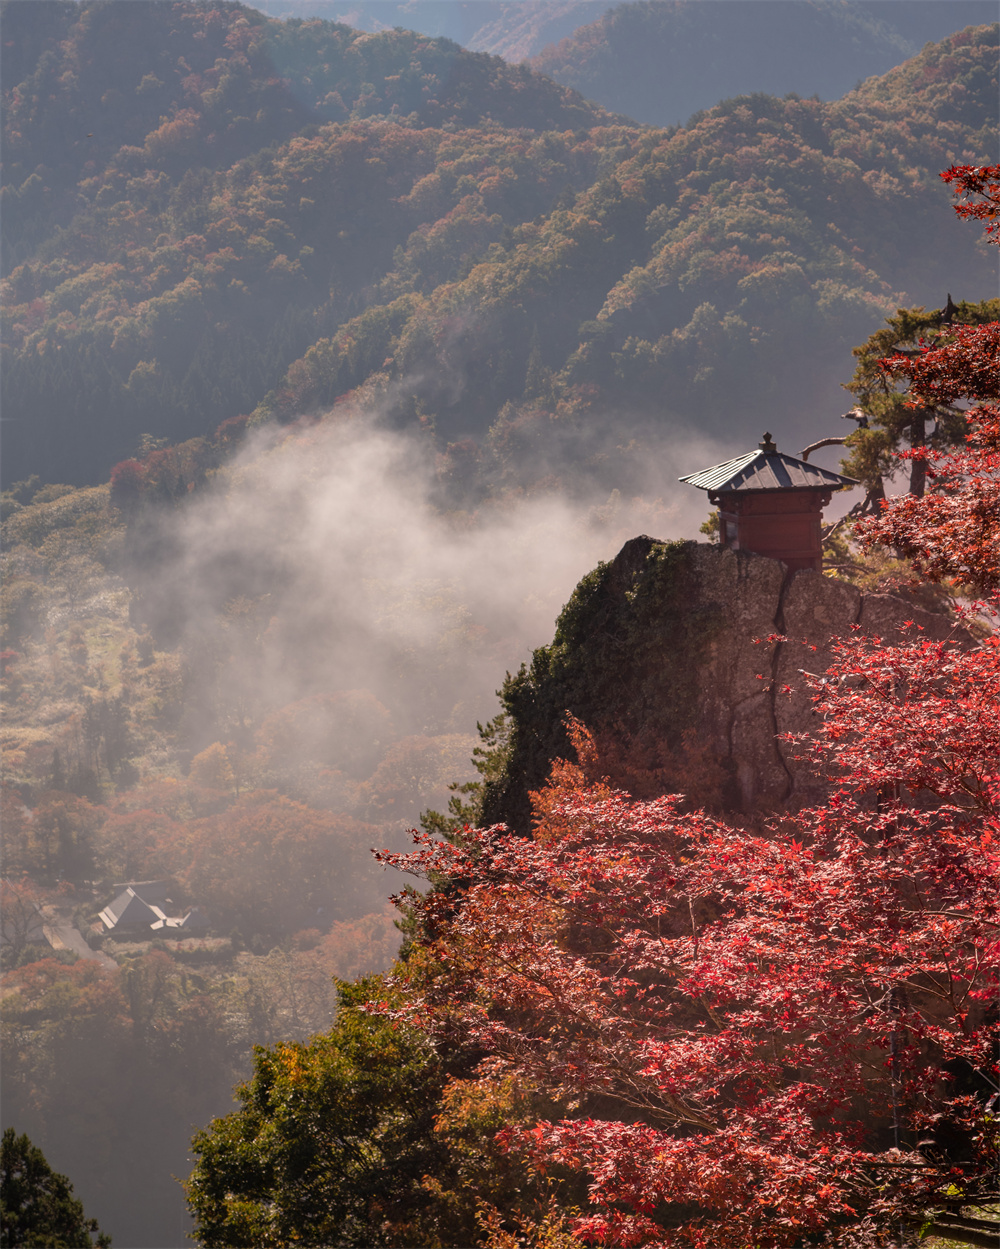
327,550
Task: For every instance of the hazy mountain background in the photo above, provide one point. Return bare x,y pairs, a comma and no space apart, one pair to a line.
514,31
662,60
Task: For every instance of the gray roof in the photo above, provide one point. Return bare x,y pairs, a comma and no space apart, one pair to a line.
128,909
766,468
149,890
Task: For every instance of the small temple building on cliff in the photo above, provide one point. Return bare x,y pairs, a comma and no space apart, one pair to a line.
771,504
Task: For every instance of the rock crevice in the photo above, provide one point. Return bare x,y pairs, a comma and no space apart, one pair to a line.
811,612
665,653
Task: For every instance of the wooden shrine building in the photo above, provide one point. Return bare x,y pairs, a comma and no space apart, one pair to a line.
771,504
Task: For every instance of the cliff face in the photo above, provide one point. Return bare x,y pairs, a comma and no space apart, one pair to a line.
664,651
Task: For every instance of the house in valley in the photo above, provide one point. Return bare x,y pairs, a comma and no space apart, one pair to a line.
143,908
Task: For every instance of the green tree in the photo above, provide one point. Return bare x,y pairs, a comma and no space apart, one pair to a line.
37,1206
331,1141
887,420
369,1135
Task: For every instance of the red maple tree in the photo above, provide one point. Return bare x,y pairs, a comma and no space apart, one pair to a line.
765,1035
978,187
772,1036
913,716
953,532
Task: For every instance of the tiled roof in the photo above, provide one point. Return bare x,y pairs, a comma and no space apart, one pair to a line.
766,468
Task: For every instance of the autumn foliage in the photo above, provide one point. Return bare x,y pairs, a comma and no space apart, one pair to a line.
912,716
978,189
771,1035
768,1035
773,1032
953,534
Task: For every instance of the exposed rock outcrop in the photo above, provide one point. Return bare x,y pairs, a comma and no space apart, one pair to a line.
665,649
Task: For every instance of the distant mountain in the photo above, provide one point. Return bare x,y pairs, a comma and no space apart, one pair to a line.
513,29
521,29
660,62
821,46
210,214
708,279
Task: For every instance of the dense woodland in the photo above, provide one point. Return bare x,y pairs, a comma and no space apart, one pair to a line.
331,362
279,219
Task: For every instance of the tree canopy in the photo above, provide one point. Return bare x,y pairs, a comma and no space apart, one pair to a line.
37,1206
889,419
953,534
289,213
772,1032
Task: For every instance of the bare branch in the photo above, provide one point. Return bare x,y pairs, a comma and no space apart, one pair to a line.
823,442
966,1231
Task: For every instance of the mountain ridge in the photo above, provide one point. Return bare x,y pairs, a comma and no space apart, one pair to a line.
660,61
522,295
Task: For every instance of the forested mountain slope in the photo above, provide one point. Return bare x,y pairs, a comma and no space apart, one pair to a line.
709,278
481,251
237,80
118,118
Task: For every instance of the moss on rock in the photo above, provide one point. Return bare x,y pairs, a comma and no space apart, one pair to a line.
625,658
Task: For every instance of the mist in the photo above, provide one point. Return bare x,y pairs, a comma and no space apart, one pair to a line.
323,561
298,653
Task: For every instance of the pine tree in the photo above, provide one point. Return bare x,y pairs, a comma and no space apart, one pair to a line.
37,1206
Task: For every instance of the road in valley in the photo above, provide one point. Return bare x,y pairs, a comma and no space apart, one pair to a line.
63,934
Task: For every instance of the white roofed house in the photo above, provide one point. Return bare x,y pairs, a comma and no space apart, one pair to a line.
142,907
190,924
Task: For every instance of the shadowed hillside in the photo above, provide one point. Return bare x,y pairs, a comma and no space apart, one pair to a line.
290,213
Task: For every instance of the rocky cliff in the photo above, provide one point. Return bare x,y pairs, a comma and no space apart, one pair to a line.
664,652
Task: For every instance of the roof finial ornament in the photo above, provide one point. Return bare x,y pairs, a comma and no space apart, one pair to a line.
767,446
